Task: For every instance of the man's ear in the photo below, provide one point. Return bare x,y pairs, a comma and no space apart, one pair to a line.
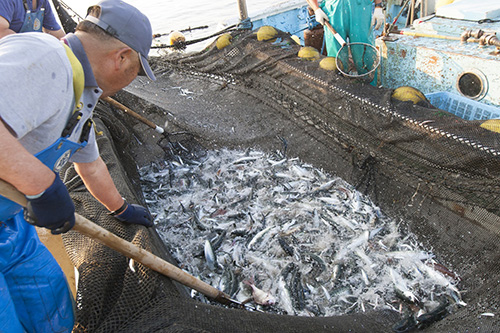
122,56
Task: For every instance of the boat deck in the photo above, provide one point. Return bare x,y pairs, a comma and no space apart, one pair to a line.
436,64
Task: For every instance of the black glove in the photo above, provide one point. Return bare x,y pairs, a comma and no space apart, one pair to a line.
135,214
53,210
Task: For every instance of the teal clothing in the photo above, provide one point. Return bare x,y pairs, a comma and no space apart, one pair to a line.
352,20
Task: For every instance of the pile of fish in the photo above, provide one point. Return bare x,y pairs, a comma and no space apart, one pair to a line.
291,239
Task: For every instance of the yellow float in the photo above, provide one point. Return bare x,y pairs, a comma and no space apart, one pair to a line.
492,125
223,41
308,53
406,93
175,37
267,34
328,63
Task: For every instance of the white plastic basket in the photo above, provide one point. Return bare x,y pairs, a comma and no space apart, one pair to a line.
462,106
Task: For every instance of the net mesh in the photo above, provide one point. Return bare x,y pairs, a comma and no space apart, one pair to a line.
434,171
367,61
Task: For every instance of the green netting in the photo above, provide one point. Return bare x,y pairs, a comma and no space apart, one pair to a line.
436,172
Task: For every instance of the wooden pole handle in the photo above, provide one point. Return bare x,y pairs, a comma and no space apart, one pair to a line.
92,230
335,34
146,258
137,116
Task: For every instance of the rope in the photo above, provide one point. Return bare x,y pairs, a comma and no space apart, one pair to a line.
183,30
182,45
66,7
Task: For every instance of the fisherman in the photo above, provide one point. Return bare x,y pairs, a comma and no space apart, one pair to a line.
27,16
42,128
352,19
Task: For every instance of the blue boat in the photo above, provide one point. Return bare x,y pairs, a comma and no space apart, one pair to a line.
433,54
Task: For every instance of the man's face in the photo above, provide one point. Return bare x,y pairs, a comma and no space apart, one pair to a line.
128,70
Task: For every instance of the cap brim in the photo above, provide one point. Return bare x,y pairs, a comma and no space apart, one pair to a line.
146,70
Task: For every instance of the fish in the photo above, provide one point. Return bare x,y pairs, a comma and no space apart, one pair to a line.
325,187
319,265
434,315
285,299
131,265
306,248
258,236
276,163
336,272
330,201
228,282
285,246
216,242
401,288
210,256
259,296
365,277
443,270
455,295
297,290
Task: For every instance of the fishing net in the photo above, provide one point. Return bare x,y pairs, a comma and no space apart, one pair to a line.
368,60
434,172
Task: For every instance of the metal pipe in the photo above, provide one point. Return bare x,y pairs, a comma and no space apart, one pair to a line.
242,8
387,29
416,34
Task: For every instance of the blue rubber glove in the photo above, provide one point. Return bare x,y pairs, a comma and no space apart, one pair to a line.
136,214
53,209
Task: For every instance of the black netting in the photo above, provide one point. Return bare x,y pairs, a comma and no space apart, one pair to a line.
435,171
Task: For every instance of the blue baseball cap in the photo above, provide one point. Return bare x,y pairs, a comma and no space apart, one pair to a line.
127,24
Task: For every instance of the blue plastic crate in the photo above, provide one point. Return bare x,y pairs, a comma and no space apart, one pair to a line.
462,106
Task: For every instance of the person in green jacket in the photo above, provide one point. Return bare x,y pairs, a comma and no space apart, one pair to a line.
352,19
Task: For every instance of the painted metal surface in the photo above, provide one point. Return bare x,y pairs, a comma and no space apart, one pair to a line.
434,65
428,64
290,16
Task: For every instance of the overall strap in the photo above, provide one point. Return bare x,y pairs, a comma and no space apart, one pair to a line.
78,76
78,86
26,7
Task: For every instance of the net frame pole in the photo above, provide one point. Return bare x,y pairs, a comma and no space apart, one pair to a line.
242,9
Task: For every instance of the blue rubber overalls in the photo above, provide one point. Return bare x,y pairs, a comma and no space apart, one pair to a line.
352,20
34,293
33,21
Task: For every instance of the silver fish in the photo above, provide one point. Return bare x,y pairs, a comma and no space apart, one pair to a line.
210,256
